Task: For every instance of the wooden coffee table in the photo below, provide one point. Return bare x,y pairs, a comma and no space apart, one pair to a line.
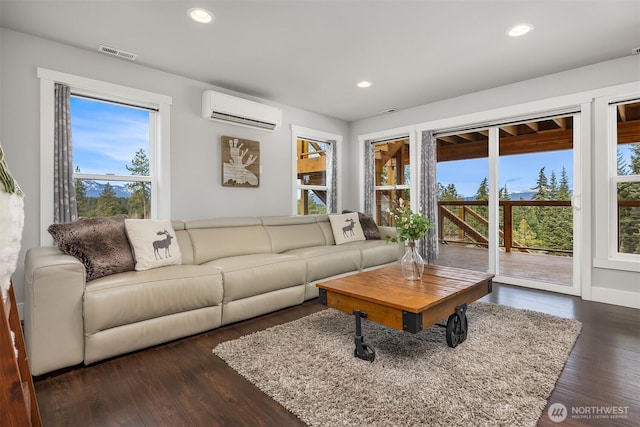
384,296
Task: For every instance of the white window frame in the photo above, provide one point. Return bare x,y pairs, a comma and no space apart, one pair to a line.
153,124
299,132
159,149
397,187
414,150
607,180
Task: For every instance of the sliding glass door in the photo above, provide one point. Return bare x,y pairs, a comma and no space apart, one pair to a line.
506,201
536,176
463,196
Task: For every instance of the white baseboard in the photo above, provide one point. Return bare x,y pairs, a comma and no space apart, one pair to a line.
616,297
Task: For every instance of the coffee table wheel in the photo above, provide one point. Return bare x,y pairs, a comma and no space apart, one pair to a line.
365,352
457,326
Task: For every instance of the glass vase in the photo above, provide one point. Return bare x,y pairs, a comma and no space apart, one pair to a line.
412,263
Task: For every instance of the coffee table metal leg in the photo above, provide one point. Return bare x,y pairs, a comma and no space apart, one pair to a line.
363,351
457,326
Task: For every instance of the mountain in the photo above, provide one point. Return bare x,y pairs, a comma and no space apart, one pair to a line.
94,189
525,195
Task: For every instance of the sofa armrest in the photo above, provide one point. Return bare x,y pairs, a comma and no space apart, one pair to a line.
53,323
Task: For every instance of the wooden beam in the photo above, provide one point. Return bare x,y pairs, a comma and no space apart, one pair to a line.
629,132
511,129
521,144
622,110
313,164
451,139
561,122
467,136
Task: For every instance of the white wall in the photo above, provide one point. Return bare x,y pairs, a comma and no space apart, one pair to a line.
196,189
606,285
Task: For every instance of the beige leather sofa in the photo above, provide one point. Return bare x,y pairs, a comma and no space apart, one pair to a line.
232,269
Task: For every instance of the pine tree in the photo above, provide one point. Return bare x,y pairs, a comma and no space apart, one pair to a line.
564,192
622,165
107,202
554,223
482,194
541,190
630,216
553,186
82,203
483,190
503,194
139,202
448,193
525,235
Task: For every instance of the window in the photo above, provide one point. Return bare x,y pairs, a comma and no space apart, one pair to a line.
112,157
625,184
155,106
316,169
392,174
312,176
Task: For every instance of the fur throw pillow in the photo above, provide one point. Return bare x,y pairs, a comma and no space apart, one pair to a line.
100,243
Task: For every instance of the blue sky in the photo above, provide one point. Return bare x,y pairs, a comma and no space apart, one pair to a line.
518,172
105,136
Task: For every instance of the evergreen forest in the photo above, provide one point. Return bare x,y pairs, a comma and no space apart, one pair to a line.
137,205
549,229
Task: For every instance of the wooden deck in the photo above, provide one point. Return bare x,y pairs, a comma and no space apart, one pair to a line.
544,268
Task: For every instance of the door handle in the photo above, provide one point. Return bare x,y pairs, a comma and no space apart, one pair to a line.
576,202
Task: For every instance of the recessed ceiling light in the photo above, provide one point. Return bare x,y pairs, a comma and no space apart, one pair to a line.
519,30
200,15
364,83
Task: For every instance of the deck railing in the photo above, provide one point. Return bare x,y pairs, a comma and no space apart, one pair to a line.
469,235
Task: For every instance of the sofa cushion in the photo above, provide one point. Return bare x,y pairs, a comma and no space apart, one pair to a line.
100,243
377,252
287,233
135,296
249,275
346,228
227,237
369,226
328,261
153,243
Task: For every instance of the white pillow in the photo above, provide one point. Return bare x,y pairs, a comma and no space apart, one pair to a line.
346,228
153,243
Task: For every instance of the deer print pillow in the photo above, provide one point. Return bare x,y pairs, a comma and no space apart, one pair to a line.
153,243
346,228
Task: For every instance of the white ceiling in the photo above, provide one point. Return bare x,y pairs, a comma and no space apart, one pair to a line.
311,53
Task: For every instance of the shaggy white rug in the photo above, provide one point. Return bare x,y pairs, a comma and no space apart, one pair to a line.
502,374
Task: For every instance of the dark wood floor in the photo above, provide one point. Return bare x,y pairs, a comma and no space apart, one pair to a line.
183,384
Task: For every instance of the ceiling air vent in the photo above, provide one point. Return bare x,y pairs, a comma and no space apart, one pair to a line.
389,111
117,52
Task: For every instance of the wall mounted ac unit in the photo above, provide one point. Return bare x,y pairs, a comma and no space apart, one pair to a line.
238,111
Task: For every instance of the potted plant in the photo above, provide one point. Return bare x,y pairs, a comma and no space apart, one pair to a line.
410,227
